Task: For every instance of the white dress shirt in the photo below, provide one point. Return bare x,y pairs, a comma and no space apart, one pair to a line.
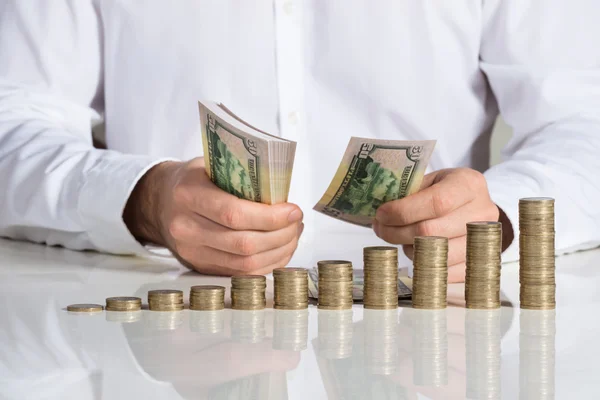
313,71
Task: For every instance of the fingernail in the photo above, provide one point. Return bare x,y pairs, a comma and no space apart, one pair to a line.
295,215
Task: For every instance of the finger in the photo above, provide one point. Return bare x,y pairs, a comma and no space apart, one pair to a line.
457,250
198,230
234,264
232,212
456,273
433,202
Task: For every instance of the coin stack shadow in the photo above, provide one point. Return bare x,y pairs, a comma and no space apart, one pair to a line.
537,354
165,300
536,253
335,331
381,341
290,330
430,273
248,326
335,285
207,298
430,347
291,288
482,279
482,352
207,322
123,304
380,277
248,292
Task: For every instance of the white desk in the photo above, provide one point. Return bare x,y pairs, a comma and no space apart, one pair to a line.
48,353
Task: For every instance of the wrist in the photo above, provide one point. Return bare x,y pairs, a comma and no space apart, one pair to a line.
142,211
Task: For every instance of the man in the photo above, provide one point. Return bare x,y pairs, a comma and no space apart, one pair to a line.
316,72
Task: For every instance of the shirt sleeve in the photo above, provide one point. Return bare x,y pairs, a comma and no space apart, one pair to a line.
542,61
55,187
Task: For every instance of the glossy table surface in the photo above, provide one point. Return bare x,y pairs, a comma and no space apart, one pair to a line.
49,353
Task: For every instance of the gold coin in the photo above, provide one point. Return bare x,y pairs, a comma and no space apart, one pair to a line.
84,308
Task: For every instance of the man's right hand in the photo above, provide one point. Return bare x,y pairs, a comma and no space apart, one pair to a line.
176,205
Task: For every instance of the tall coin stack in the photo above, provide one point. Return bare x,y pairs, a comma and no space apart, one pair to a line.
207,298
123,304
536,253
381,277
291,288
482,280
335,285
165,300
430,274
248,292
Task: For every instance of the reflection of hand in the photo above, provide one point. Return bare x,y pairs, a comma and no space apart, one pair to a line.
177,205
448,200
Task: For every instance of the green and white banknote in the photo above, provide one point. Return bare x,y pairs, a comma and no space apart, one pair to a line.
373,172
242,160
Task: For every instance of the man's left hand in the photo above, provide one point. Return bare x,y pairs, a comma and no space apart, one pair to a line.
448,199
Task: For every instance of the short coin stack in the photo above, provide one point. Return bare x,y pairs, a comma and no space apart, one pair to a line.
207,298
430,274
248,292
291,288
381,277
335,285
536,253
84,308
482,280
123,304
165,300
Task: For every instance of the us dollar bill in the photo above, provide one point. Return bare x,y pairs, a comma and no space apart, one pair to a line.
242,160
371,173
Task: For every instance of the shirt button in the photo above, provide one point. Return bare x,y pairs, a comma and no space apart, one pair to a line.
294,117
288,7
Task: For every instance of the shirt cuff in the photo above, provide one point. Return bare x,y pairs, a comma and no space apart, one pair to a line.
102,199
506,192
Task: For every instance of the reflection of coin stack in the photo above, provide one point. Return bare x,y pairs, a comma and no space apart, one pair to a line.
536,354
430,276
165,300
335,285
335,334
123,316
381,347
290,330
207,298
380,277
248,292
430,347
248,326
163,321
291,288
536,253
482,336
482,279
207,322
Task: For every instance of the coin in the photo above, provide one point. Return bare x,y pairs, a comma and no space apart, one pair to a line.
483,260
430,273
291,288
207,297
165,300
335,284
536,253
248,292
123,303
380,290
84,308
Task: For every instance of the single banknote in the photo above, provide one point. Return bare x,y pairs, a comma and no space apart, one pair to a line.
242,160
373,172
